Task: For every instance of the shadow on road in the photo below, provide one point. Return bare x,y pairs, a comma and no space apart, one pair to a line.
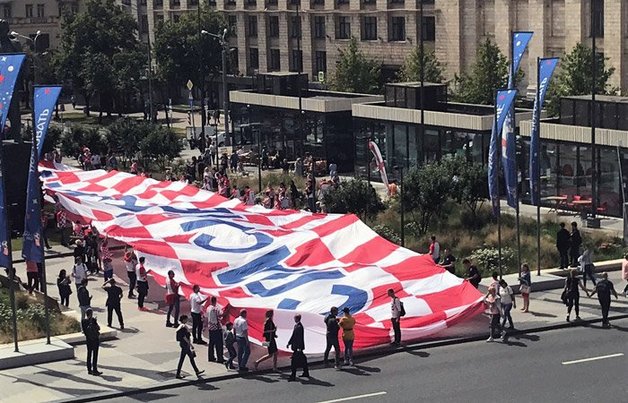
542,315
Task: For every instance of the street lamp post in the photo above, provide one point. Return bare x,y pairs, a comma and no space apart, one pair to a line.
201,144
399,168
225,93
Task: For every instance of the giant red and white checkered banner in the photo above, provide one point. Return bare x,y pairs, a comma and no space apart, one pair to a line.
254,258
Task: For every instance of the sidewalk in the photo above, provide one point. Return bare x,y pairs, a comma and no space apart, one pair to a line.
146,353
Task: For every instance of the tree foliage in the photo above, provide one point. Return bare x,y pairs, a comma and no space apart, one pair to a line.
354,196
489,73
89,55
469,185
574,76
355,72
161,145
411,68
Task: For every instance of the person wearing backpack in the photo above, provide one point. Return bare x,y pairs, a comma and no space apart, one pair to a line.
396,312
187,350
92,338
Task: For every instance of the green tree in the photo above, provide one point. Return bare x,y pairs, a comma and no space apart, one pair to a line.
469,186
355,72
411,69
489,73
161,145
177,46
89,42
124,136
574,77
426,189
354,196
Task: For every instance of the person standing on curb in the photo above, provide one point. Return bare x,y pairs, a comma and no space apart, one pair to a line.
172,298
572,293
297,343
624,274
84,299
525,286
507,298
183,337
395,317
91,330
241,328
142,283
214,316
79,272
114,295
347,323
491,300
562,244
196,305
575,240
331,322
270,334
130,262
604,288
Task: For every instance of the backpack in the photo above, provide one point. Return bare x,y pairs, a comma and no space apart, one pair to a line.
402,310
180,334
91,330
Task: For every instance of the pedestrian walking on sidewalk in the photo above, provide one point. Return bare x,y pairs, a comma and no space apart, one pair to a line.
575,240
130,262
331,322
142,283
229,342
241,328
32,274
172,299
214,327
297,344
586,265
91,330
270,334
507,298
624,274
562,244
525,286
196,305
63,284
395,317
491,300
187,350
84,299
604,289
114,295
573,284
347,323
79,272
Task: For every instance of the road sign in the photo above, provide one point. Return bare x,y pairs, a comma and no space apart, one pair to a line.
321,76
190,85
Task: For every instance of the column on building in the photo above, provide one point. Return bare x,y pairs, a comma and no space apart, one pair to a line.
449,37
285,49
307,51
537,14
504,25
242,41
470,33
615,47
333,45
576,23
262,41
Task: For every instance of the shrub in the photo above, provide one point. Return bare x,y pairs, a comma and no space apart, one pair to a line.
388,233
486,259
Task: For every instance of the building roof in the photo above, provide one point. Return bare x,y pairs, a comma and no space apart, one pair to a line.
600,98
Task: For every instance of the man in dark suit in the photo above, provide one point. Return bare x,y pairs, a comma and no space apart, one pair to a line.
92,338
562,244
297,341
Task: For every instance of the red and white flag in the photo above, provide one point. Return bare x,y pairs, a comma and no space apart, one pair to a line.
381,167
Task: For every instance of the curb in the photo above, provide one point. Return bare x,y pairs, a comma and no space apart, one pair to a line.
377,352
64,254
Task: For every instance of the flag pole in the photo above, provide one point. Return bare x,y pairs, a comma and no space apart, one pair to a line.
10,269
537,152
513,77
499,211
368,160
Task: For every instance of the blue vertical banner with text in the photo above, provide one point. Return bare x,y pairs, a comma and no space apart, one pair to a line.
44,101
546,69
503,101
520,41
10,66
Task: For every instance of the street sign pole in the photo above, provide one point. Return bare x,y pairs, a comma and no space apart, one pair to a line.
190,85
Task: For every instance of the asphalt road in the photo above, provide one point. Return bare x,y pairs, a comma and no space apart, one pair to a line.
577,364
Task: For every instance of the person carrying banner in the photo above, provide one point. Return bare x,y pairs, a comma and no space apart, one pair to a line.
142,283
130,262
297,343
395,317
172,298
331,322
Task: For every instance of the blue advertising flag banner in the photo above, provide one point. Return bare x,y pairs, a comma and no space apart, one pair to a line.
503,102
546,70
520,41
45,101
9,71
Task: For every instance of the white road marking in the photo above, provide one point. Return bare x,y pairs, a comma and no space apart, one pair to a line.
344,399
602,357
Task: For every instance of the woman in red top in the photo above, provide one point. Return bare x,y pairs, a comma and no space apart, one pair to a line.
32,274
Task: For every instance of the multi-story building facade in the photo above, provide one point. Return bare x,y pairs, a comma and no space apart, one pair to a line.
26,17
268,35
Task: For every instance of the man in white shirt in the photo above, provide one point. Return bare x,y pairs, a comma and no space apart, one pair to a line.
196,304
214,327
395,316
241,328
79,272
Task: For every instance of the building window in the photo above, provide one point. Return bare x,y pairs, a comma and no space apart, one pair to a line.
7,11
275,60
343,28
175,3
339,2
397,30
158,3
41,10
397,1
318,2
254,58
142,2
273,26
271,2
429,28
369,1
176,18
597,9
252,27
320,61
195,2
297,60
144,24
369,28
159,19
29,10
319,27
295,27
232,20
